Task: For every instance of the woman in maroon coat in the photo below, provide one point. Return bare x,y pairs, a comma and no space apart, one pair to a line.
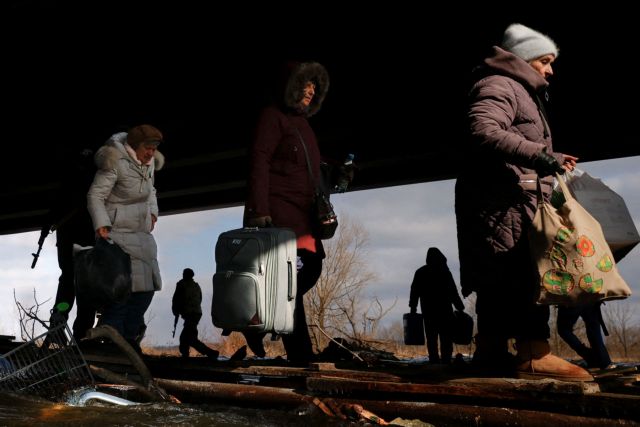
281,190
510,148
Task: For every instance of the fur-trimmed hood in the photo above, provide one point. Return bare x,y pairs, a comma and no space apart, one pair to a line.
298,75
113,150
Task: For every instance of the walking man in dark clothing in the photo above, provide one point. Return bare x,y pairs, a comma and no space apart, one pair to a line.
434,286
187,299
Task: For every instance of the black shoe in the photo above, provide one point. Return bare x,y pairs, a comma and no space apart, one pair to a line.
302,361
240,353
458,360
256,344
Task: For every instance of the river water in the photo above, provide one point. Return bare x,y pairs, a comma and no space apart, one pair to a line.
16,410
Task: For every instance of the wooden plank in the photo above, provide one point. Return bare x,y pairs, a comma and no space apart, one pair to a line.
436,413
546,395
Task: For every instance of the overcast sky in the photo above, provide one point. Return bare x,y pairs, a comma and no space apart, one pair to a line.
403,222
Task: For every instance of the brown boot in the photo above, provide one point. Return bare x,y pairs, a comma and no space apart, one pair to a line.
534,361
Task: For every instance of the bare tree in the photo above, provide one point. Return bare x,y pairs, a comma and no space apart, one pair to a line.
28,317
623,334
337,303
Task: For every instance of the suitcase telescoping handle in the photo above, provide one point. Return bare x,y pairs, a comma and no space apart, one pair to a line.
290,277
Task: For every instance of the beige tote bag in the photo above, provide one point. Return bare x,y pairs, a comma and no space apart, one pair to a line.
574,262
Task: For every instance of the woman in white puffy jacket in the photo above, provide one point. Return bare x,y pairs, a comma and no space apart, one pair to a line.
123,206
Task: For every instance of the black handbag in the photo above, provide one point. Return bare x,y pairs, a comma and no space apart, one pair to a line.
324,220
413,328
102,275
462,328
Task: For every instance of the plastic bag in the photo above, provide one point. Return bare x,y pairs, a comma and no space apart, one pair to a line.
606,206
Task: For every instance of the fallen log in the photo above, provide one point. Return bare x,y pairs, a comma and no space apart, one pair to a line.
435,413
538,395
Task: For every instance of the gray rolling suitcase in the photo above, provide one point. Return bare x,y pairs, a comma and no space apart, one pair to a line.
254,286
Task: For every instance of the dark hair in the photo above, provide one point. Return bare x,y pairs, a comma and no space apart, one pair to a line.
187,273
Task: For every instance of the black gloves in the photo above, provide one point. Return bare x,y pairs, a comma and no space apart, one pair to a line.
59,314
413,310
545,165
345,174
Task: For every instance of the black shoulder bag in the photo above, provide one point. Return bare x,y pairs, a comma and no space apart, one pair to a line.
324,220
102,275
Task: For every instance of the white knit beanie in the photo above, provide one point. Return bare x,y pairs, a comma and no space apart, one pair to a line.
526,43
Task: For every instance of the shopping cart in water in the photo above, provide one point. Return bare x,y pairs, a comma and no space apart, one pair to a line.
50,365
